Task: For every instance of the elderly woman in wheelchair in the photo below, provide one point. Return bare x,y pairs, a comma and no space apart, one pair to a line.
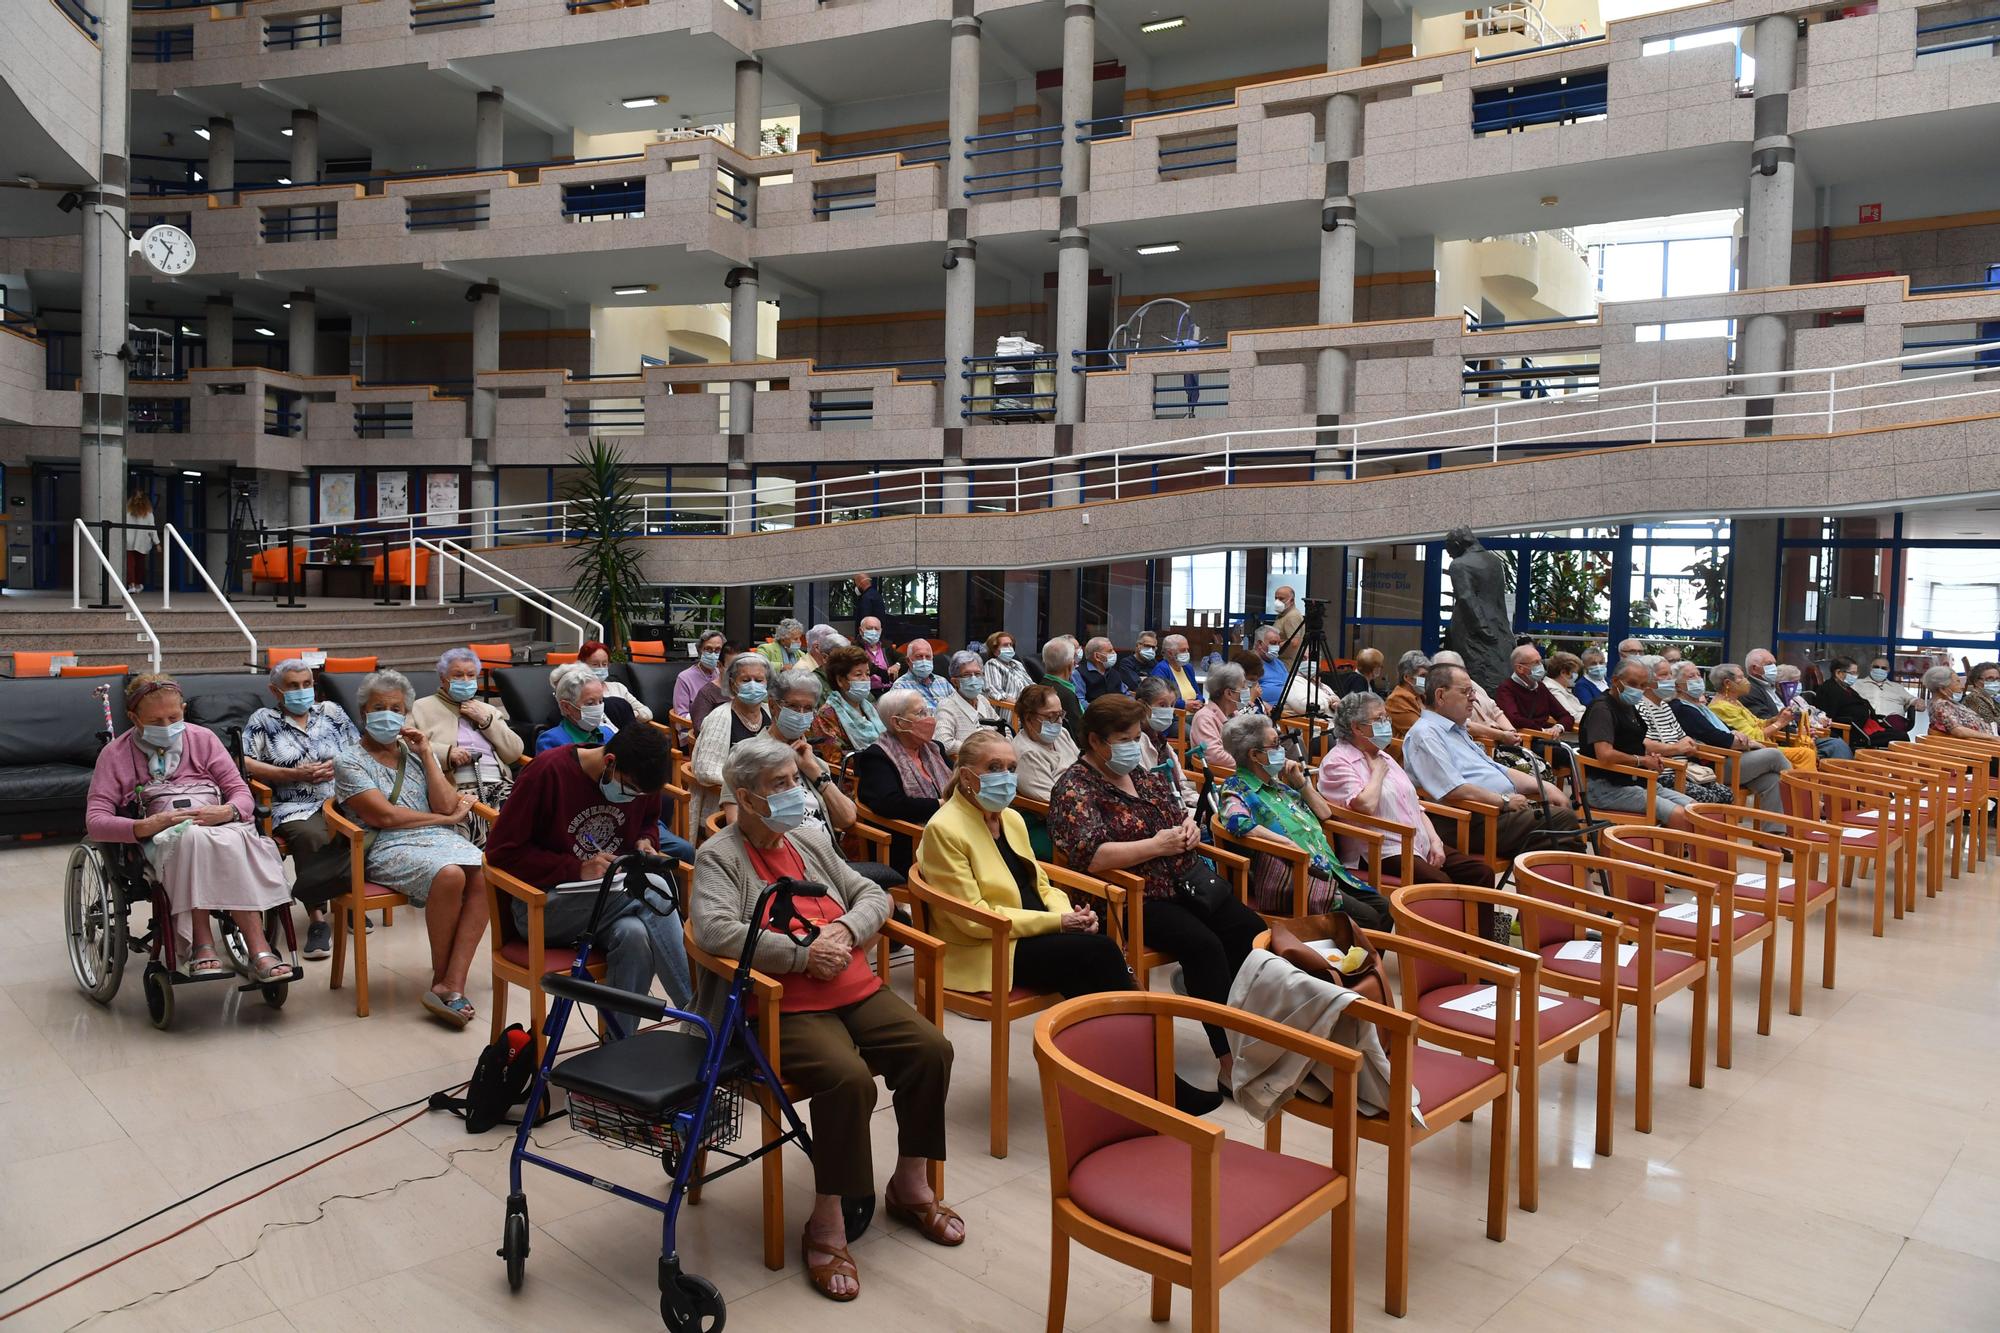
173,790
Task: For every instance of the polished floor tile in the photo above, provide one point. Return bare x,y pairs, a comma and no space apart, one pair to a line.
1845,1173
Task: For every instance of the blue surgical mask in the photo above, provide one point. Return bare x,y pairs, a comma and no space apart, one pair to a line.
383,726
1051,731
1596,672
1419,683
1125,756
602,673
1274,758
1695,689
996,791
1632,696
1878,673
1162,719
871,637
793,723
972,686
1991,686
1771,674
1850,678
1536,673
161,737
708,660
591,716
1110,660
1147,654
1382,731
787,808
461,689
922,667
1006,654
299,702
858,691
1182,659
614,790
752,692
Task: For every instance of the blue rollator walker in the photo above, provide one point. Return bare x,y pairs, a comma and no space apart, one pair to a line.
675,1092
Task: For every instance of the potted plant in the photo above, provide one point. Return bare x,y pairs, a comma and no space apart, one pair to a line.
604,516
344,549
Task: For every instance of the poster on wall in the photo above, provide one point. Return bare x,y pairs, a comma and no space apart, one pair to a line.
392,494
441,498
336,497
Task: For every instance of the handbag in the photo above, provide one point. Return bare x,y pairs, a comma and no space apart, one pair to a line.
395,794
1202,888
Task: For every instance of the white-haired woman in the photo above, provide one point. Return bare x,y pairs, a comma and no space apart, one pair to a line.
746,712
580,701
291,749
392,783
1949,715
963,710
1225,696
842,1027
473,743
786,645
904,775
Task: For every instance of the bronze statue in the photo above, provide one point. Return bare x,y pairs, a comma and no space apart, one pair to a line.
1482,628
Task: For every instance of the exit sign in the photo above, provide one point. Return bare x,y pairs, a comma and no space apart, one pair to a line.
1871,212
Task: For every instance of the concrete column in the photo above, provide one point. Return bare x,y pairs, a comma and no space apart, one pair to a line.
960,280
302,334
305,146
749,125
485,357
1072,314
742,284
1767,215
1342,115
298,491
1753,607
489,132
1079,71
219,331
963,100
221,173
485,496
101,434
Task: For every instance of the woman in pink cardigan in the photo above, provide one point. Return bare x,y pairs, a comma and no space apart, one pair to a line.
197,829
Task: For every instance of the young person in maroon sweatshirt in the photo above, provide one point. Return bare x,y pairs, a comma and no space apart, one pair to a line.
575,810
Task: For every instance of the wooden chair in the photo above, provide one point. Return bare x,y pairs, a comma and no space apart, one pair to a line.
1481,840
522,958
1447,1088
1979,758
1749,927
349,911
1447,915
1658,971
1929,806
1889,838
1799,895
1002,1001
1651,776
1135,1179
766,1017
349,666
1944,802
115,669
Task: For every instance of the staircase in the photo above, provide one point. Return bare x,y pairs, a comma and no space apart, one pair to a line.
197,636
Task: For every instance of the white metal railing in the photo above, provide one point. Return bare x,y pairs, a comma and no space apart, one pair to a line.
79,536
1616,414
449,551
173,538
1518,18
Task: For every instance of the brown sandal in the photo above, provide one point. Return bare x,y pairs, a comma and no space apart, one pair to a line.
821,1275
930,1219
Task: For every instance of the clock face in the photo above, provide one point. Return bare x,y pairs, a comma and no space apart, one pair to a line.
168,249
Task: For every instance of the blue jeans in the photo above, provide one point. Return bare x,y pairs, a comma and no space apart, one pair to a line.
638,943
678,848
1832,747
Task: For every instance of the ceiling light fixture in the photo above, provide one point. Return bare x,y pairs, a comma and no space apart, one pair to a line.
1163,25
633,289
287,131
263,332
187,332
285,305
200,132
1550,200
189,472
197,178
1161,248
648,99
284,180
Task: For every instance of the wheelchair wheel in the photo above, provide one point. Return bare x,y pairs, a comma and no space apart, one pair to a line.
94,921
693,1305
514,1249
235,951
159,996
275,993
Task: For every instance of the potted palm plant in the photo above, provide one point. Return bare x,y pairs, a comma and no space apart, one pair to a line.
604,517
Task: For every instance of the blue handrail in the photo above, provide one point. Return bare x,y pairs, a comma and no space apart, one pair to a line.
1128,117
1008,134
883,152
1958,46
162,46
321,221
1548,101
1962,23
1017,171
604,198
842,208
74,11
428,9
1989,284
307,31
879,365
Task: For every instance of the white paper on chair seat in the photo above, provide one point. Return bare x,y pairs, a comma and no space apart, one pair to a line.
1688,911
315,660
1754,879
1847,833
1589,951
1485,1002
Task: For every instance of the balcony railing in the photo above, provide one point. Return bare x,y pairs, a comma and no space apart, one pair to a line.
1958,44
1043,176
604,201
162,46
1549,102
828,202
74,11
453,13
310,31
1121,125
307,222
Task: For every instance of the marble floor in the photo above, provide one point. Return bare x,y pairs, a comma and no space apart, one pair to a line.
1844,1174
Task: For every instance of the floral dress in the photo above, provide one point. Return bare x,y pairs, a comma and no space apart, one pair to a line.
404,860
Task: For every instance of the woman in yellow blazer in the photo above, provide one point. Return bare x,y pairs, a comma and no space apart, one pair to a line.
976,849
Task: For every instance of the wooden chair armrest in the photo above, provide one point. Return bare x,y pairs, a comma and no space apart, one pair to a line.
1028,805
927,955
900,827
1340,826
516,888
1724,762
877,840
724,966
1233,866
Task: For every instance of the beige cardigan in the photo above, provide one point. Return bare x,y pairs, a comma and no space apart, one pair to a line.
439,721
711,749
724,893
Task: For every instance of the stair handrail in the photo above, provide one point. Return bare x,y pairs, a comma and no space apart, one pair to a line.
173,537
511,584
117,581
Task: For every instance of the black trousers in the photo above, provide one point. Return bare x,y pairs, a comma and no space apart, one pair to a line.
1211,947
1366,909
1070,964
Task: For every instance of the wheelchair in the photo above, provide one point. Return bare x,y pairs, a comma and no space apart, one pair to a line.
103,884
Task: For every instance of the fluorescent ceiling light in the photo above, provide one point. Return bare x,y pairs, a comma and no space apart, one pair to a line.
1161,248
284,180
201,132
638,289
187,332
197,178
1163,25
287,305
649,99
287,132
265,332
188,472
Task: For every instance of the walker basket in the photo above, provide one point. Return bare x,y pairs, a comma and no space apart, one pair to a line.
665,1134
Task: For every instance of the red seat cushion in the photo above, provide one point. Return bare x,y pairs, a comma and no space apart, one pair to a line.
557,956
1443,1075
1566,1013
1850,837
1140,1185
1667,964
1684,930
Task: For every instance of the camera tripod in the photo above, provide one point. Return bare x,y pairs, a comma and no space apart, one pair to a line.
1313,649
